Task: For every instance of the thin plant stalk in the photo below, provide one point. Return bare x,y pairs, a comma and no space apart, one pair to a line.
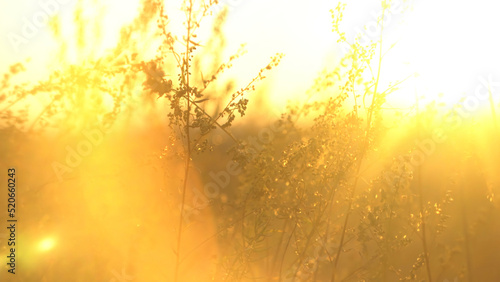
278,248
465,226
188,140
362,153
425,244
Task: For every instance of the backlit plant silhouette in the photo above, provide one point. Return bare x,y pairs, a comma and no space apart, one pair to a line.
186,98
322,199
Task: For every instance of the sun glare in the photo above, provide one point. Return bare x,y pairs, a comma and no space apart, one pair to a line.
447,44
46,244
250,140
302,31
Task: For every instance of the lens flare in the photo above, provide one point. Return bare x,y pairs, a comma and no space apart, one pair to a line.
46,244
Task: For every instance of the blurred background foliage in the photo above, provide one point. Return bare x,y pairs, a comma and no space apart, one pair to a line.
150,162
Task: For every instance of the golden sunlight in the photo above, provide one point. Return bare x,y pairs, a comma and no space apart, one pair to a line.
449,45
46,244
232,140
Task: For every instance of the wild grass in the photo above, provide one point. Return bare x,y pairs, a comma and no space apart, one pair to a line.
321,199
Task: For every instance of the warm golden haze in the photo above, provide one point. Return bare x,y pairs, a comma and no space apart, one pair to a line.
249,141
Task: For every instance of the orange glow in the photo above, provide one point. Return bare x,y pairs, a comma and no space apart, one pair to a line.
250,140
46,244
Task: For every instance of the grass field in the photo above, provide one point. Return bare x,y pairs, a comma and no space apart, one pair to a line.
145,141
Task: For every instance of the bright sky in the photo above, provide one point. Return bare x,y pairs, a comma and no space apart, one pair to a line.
301,31
449,43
